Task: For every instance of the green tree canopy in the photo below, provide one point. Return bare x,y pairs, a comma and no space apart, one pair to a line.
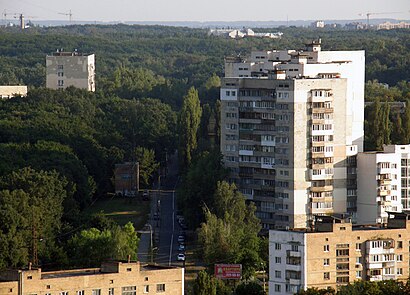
188,124
30,216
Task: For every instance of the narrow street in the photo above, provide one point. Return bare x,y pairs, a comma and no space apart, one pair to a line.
164,227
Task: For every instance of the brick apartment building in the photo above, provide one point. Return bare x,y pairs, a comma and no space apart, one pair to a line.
113,278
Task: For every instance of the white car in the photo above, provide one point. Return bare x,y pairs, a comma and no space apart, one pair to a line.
181,257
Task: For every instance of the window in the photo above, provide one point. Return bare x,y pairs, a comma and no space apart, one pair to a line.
326,248
111,291
160,287
326,262
146,288
146,279
81,292
400,257
295,248
96,292
60,82
29,277
399,271
64,293
326,275
399,244
278,260
129,290
358,274
129,269
277,288
358,246
278,274
277,246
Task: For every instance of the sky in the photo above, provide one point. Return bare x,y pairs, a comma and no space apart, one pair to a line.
206,10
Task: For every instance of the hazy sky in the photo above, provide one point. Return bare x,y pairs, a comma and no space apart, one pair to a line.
206,10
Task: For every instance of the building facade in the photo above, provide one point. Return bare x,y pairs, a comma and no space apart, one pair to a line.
64,69
383,182
378,186
126,178
115,278
333,253
12,91
291,126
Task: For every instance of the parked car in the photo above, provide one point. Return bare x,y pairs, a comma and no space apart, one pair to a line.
181,257
181,248
181,239
145,195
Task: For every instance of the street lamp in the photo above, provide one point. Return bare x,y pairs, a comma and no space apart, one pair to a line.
151,248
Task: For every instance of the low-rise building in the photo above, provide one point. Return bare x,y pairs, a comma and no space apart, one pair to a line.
392,26
113,278
12,91
126,177
334,252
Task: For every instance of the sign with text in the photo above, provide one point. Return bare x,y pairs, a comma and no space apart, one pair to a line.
228,271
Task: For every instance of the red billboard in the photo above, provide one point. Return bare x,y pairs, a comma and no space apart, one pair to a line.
228,271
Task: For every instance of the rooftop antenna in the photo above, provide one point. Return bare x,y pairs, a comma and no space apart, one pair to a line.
70,15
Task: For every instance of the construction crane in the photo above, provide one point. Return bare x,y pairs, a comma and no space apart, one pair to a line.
21,18
70,15
368,14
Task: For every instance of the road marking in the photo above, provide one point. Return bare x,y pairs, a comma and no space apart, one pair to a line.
170,249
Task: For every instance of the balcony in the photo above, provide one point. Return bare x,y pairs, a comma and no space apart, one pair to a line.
294,282
294,267
290,253
318,189
376,278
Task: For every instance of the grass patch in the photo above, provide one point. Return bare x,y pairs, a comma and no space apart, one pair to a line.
123,210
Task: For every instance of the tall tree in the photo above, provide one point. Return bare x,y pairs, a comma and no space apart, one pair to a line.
204,284
30,216
91,247
406,123
188,123
231,233
147,164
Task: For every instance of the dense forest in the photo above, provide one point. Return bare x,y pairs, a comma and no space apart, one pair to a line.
157,90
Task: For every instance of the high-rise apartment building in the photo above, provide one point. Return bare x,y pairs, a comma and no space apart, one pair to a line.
66,69
333,252
383,183
292,124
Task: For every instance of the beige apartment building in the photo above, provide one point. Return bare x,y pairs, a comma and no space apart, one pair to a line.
66,69
12,91
113,278
291,127
333,252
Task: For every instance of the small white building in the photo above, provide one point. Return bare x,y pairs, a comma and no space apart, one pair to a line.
66,69
318,24
12,91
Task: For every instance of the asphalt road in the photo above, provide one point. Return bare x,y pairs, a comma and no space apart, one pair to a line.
166,226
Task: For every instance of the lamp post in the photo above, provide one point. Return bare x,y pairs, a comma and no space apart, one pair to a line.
150,245
264,273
